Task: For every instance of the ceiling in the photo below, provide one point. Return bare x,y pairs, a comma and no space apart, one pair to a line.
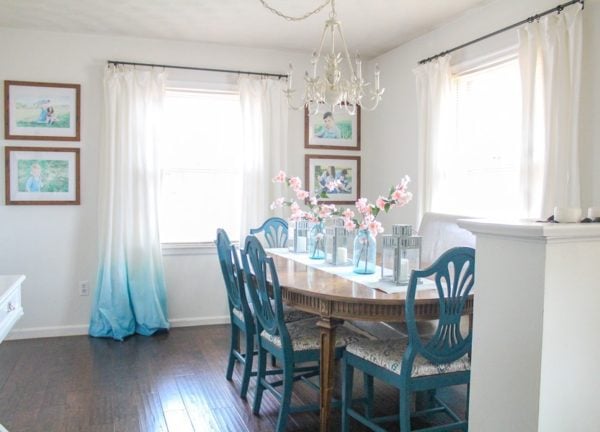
371,27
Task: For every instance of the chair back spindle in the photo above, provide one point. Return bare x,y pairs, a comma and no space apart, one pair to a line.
454,279
275,230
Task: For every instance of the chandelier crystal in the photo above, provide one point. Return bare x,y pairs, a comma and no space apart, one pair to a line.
337,81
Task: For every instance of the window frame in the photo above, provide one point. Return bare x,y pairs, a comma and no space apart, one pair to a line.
217,87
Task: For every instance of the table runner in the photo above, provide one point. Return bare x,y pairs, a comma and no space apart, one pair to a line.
371,280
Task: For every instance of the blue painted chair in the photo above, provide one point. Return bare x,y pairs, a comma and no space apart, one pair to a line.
239,310
292,344
275,230
420,364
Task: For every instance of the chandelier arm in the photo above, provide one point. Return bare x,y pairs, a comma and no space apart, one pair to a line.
291,18
288,94
376,97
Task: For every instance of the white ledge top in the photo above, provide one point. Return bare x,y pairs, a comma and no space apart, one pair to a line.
531,229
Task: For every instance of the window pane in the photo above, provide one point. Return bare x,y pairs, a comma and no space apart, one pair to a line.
484,165
201,166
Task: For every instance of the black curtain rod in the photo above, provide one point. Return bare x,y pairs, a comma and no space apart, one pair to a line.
118,62
557,9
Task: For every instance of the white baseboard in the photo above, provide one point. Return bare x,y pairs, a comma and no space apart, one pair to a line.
46,332
78,330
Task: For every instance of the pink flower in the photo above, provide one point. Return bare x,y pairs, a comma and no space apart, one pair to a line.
325,210
349,224
363,206
301,194
295,183
277,203
348,214
279,178
314,201
380,203
375,228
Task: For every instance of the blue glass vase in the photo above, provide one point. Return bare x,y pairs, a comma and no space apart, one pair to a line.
316,241
365,253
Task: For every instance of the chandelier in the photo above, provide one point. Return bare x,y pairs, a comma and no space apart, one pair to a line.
327,85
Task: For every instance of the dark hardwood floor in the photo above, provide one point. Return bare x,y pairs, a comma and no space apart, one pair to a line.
171,382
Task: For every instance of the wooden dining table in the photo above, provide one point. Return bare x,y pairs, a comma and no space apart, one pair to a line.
335,299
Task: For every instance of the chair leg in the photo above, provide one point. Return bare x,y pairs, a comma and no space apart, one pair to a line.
260,376
247,364
347,382
235,344
286,396
404,410
368,389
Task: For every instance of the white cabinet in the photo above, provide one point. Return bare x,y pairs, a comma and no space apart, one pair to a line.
10,302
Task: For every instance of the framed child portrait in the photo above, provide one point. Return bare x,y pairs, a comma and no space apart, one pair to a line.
41,111
41,175
336,176
332,130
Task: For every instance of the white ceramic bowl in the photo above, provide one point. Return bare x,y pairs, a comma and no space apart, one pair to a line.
567,214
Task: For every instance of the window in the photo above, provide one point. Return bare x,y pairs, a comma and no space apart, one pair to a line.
481,167
200,166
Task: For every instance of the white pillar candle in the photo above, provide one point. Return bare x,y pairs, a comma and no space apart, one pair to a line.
404,272
593,212
567,214
341,255
301,246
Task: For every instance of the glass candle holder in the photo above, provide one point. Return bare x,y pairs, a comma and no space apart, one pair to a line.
300,237
338,243
401,255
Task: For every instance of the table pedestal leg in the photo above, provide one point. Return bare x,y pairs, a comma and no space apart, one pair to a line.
327,378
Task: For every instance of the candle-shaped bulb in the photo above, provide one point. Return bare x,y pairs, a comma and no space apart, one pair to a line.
377,72
290,72
358,67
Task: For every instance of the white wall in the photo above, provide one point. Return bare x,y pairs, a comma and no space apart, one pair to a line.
390,133
56,246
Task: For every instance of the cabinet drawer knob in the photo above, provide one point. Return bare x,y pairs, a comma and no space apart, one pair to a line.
11,307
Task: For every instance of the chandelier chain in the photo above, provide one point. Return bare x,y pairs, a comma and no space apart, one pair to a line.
292,18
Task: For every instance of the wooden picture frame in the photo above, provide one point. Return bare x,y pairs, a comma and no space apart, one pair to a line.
320,170
336,130
42,111
42,176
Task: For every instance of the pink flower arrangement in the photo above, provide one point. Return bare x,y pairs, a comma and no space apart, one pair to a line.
397,197
316,211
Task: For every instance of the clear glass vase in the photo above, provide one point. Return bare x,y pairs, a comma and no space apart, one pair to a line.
365,253
316,241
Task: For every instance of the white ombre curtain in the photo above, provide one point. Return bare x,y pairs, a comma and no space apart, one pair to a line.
130,294
434,87
265,131
550,53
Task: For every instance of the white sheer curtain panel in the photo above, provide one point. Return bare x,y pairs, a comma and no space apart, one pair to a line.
550,54
435,113
130,294
265,131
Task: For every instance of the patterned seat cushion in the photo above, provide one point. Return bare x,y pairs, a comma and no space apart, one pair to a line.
305,335
289,314
388,354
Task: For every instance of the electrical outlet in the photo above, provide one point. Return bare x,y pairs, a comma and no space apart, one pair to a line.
84,288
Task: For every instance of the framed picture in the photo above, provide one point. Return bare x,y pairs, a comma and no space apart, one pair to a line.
332,130
321,170
41,111
41,175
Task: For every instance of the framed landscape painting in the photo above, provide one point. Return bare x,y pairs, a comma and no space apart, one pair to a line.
41,175
337,176
41,111
332,130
